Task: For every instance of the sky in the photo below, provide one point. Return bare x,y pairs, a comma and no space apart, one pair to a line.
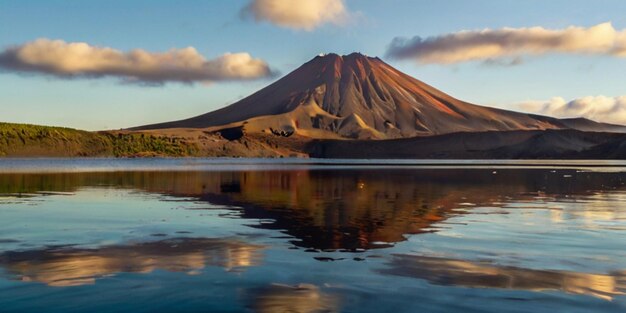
111,64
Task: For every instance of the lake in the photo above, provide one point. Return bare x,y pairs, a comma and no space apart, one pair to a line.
246,235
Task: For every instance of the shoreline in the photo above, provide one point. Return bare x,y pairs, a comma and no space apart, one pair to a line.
63,165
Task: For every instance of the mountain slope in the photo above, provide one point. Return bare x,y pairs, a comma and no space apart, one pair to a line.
537,144
360,97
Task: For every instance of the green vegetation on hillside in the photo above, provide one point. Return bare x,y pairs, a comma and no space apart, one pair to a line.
146,145
34,140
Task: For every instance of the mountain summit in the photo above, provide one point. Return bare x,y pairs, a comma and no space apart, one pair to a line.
360,97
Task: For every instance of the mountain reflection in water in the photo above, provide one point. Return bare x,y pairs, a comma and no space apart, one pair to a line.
452,272
67,266
419,240
343,209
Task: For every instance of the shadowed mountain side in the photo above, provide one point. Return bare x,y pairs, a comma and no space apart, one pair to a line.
612,149
550,144
359,97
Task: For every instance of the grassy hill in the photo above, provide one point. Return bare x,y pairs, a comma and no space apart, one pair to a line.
34,140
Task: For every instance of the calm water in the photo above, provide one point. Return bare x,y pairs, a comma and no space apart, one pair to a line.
265,236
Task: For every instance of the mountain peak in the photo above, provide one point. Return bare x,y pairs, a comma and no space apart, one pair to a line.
358,55
353,55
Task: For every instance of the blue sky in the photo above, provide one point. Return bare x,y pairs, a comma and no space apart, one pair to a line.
216,27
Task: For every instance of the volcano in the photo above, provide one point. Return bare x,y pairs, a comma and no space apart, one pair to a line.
359,97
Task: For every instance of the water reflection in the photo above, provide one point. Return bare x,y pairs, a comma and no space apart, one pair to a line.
302,298
69,266
443,271
345,209
537,220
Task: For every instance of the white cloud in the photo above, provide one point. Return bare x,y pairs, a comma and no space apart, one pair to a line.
597,108
298,14
78,59
510,43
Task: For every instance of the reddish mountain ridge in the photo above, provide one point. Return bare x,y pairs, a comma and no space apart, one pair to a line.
359,97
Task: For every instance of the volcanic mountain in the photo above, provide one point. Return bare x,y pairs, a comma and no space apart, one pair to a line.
359,97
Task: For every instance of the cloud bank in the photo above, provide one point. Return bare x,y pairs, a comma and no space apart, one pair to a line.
297,14
77,59
510,43
597,108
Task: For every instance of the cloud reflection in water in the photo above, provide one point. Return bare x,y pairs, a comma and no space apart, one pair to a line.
69,266
453,272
